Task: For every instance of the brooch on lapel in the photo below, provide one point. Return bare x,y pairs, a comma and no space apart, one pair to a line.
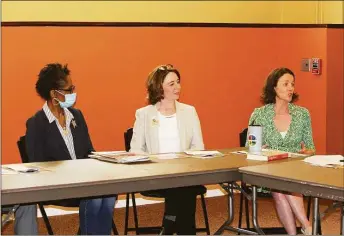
155,121
74,124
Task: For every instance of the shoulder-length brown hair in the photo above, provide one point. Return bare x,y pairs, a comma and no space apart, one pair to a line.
155,80
269,94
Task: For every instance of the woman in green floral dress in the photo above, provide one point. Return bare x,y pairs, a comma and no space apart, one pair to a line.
286,127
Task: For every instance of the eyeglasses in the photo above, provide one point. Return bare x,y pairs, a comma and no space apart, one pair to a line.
68,90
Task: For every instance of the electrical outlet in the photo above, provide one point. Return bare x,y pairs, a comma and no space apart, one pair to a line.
305,64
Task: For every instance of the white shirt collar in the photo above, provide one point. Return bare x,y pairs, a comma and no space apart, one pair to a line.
52,118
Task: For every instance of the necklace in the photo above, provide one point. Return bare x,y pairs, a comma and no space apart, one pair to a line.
63,125
65,131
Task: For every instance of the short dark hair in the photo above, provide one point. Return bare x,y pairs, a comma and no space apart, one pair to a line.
269,94
52,76
155,80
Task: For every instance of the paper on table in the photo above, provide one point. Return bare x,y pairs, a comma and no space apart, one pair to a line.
5,171
204,154
113,154
166,156
290,154
121,159
239,152
133,159
21,168
325,160
110,152
295,155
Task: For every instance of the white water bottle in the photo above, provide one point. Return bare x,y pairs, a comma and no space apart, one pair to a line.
254,137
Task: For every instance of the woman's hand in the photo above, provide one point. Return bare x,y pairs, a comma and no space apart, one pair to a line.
304,150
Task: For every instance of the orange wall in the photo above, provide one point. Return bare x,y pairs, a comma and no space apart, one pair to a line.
335,91
222,69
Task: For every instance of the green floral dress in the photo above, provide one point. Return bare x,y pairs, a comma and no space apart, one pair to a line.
300,130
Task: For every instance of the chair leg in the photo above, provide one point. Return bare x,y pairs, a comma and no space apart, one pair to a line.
309,203
136,221
247,214
204,206
50,231
46,219
126,215
319,223
114,228
309,207
240,210
10,214
243,198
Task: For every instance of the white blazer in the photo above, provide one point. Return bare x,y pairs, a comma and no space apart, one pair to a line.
146,133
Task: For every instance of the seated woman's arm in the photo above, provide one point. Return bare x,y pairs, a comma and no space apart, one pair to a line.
138,141
308,146
197,138
87,135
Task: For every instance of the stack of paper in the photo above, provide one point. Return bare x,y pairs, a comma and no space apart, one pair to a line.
133,159
20,168
325,160
240,152
113,153
5,171
268,155
166,156
290,154
122,157
204,154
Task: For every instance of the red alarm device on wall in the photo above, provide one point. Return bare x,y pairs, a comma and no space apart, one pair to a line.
316,66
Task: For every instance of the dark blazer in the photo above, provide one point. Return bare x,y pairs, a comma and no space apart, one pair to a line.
45,143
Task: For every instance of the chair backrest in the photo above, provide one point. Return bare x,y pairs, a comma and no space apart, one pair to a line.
243,137
22,149
127,138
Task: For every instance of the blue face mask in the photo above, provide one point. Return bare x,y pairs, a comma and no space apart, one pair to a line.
69,100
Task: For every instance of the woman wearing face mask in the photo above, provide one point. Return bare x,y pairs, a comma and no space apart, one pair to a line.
165,126
59,132
286,127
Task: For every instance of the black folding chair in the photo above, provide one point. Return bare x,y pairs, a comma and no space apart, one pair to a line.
21,143
7,213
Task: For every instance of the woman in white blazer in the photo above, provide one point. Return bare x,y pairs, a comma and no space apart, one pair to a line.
169,126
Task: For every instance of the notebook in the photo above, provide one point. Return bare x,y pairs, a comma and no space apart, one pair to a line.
121,157
268,155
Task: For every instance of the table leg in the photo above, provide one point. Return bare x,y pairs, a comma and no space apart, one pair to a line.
342,220
254,211
226,225
230,210
315,215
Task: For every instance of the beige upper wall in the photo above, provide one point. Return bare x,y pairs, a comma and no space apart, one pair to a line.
298,12
332,11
